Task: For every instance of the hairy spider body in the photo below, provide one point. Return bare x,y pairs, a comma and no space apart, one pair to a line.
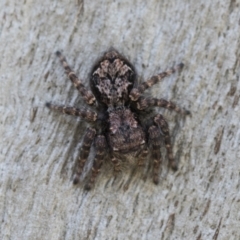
118,104
125,133
112,80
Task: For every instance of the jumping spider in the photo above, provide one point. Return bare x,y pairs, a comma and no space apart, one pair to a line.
117,127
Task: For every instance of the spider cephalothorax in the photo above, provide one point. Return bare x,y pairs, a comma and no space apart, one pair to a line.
118,103
112,79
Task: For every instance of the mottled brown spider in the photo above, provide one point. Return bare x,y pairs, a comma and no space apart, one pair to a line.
118,130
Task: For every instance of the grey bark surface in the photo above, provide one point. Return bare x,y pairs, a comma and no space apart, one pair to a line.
38,147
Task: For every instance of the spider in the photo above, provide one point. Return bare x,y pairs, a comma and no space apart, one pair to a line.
116,122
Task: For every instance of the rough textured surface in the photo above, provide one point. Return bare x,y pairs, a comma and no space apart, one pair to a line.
38,148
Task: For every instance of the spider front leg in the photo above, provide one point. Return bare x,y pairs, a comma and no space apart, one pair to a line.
84,113
101,146
154,139
87,95
137,92
84,152
162,123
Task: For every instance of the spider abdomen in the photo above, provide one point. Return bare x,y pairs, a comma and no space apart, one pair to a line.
125,132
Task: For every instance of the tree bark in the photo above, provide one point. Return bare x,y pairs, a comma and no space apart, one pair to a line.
38,147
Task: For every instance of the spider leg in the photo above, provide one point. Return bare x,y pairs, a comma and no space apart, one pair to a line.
142,157
84,113
143,103
137,92
116,164
162,123
154,137
87,95
84,152
101,145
